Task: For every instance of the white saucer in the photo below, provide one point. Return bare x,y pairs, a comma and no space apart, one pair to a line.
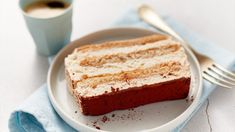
163,116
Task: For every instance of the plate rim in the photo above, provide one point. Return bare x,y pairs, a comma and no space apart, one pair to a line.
75,124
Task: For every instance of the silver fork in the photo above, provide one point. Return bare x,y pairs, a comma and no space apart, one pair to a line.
211,71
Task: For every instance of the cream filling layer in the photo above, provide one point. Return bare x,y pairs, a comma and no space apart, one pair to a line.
78,72
122,85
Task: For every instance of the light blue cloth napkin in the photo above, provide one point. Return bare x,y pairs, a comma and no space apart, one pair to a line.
37,114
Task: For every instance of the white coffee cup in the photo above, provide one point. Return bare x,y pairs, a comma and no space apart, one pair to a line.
50,34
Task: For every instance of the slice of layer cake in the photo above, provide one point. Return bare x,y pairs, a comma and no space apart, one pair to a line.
125,74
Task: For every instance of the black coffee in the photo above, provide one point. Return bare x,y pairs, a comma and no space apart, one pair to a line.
46,9
56,4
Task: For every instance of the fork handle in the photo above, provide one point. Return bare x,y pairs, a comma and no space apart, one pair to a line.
151,17
147,14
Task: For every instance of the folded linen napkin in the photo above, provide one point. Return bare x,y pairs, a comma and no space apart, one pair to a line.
37,114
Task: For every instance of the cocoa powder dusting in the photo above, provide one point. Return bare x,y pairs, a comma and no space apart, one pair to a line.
133,114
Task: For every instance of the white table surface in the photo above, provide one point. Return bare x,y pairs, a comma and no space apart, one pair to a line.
22,70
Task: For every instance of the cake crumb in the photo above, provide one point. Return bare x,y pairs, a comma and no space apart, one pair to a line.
97,127
104,119
76,112
186,100
94,123
112,89
192,98
113,115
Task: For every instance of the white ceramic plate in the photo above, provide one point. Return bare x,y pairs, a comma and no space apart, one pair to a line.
162,116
